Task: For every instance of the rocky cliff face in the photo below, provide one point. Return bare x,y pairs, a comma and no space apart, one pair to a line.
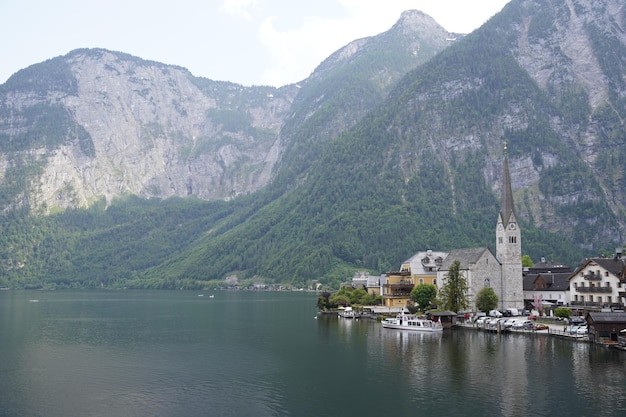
575,50
144,128
156,131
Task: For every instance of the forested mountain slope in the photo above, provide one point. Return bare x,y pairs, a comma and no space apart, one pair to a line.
424,169
95,125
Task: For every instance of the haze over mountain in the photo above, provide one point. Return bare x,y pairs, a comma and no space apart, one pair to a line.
393,145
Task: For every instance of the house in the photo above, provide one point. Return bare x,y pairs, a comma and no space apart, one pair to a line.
371,283
397,287
546,283
423,266
605,327
479,267
599,283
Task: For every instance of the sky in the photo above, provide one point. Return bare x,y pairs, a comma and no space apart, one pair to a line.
249,42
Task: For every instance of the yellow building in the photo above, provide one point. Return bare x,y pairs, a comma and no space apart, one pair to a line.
421,268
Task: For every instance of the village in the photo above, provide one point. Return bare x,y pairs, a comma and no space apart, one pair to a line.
594,292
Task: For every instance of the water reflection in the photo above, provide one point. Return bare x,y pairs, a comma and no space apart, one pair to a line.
471,373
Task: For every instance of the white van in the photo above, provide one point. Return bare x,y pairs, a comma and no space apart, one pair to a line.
495,313
513,311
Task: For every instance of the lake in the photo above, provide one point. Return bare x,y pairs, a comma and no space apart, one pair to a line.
174,353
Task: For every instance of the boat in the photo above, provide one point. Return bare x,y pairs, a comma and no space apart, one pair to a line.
348,313
404,321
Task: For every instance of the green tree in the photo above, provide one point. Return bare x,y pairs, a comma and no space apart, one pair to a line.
527,261
323,301
563,312
486,299
423,295
454,291
339,299
359,296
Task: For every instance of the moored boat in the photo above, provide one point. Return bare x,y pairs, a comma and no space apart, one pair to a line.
412,322
348,313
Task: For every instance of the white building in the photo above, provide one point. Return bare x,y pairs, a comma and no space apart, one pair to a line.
599,282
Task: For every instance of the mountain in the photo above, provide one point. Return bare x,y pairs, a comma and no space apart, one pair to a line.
394,144
96,123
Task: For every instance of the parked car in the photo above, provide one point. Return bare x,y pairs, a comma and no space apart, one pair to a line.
582,330
495,313
499,321
576,320
480,321
492,323
574,329
539,326
508,323
523,324
512,312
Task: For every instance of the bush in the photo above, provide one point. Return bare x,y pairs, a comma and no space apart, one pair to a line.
563,312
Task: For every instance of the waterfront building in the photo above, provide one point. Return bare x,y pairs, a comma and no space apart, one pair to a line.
548,283
420,268
599,283
479,267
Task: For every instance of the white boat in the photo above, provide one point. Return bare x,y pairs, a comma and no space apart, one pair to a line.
348,313
412,322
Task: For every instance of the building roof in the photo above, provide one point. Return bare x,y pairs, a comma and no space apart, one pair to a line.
615,266
426,262
607,317
553,282
506,205
465,256
548,266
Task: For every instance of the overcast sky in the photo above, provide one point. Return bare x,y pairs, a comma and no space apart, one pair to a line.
260,42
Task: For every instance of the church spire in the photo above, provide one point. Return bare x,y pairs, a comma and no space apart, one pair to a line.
506,204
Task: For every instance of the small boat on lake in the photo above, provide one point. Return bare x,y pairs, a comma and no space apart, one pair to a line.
412,322
348,313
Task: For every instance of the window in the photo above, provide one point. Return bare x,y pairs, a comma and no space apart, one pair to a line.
512,239
500,239
421,280
606,273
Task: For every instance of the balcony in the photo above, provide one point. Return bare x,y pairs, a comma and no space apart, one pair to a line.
400,288
594,289
593,277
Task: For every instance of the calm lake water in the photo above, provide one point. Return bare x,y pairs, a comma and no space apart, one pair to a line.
162,353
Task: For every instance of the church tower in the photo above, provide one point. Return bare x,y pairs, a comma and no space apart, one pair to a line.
509,246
